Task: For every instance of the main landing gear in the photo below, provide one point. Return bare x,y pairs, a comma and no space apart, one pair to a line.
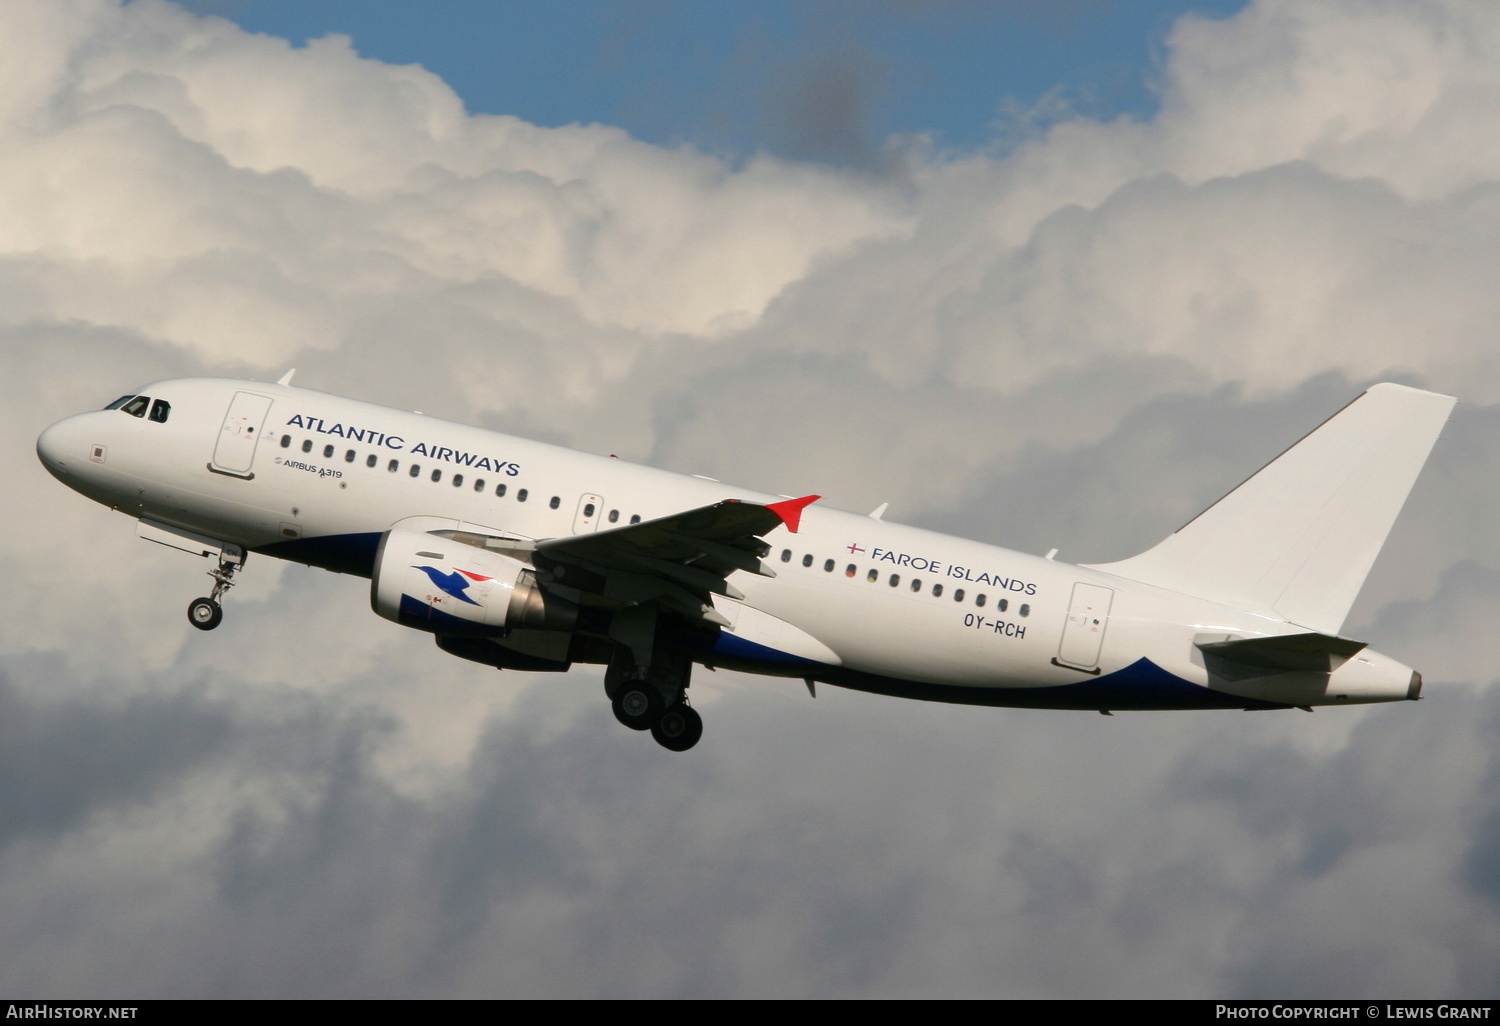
206,613
640,703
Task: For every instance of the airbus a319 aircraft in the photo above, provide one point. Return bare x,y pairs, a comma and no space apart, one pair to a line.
528,556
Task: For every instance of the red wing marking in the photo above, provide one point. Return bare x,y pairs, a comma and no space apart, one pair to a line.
790,510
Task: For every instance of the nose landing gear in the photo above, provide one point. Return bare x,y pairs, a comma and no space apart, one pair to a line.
206,613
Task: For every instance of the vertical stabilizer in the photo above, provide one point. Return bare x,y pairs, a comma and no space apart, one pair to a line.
1297,539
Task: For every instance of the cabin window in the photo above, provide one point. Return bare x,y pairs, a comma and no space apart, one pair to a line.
307,445
500,491
479,484
437,475
786,555
371,460
137,406
614,516
160,411
895,580
327,452
393,466
349,456
458,480
1001,604
416,470
850,571
873,575
635,518
286,441
807,559
979,600
1025,609
120,402
958,595
588,509
937,591
556,502
521,495
916,584
828,566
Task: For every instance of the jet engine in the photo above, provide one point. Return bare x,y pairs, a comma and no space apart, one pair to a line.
437,584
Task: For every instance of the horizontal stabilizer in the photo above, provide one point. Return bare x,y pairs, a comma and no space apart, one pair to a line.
1320,653
1297,539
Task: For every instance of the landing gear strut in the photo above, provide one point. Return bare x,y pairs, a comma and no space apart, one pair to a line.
206,613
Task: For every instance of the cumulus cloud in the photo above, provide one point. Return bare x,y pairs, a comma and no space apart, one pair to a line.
1076,342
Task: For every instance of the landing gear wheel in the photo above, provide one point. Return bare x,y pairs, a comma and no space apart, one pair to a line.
679,728
205,614
638,705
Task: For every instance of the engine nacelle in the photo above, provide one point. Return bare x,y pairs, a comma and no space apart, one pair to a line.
436,584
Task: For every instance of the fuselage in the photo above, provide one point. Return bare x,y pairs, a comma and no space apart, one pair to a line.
856,601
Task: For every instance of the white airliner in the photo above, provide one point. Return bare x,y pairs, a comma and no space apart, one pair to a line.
528,556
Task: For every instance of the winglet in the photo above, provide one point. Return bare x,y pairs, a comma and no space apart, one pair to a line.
790,511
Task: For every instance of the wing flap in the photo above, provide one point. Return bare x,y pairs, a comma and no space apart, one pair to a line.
685,574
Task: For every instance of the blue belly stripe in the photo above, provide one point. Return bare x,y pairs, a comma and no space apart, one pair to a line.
730,647
1141,685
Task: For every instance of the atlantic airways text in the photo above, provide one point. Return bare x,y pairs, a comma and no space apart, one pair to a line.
370,436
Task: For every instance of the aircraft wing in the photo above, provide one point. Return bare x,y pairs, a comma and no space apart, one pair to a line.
678,561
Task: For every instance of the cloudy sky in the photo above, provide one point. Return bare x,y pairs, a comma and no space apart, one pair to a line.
1028,280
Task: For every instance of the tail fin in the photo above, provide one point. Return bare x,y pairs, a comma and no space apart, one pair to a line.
1297,539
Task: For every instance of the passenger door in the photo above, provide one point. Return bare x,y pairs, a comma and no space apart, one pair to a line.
235,450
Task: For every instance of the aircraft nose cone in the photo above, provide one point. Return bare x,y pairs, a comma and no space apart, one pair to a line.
53,450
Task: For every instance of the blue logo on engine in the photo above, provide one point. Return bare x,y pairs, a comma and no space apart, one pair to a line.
453,584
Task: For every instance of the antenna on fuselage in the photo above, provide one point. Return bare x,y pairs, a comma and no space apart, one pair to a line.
286,379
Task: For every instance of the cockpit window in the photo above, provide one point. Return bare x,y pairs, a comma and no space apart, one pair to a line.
137,406
120,402
160,411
